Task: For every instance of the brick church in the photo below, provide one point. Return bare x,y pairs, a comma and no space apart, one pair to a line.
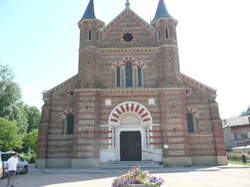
129,101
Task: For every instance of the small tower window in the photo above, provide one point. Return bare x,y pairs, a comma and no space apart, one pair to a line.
90,35
118,77
97,35
129,75
159,35
139,74
70,124
190,122
167,34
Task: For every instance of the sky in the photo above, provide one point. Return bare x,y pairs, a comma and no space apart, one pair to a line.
39,39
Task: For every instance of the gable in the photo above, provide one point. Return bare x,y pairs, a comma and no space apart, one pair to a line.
128,22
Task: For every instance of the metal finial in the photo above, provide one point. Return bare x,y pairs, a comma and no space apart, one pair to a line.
127,4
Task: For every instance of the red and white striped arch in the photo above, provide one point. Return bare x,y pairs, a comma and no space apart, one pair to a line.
130,107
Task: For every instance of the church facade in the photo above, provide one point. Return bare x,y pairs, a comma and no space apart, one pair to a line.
129,101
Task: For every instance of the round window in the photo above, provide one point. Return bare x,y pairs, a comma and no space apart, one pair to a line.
128,37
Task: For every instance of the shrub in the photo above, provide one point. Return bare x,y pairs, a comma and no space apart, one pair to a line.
30,157
236,156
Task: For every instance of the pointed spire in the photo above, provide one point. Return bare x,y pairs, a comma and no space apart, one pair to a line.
161,11
90,11
127,4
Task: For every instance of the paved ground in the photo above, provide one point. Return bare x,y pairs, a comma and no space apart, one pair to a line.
174,177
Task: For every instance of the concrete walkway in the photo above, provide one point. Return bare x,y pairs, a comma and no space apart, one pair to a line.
232,175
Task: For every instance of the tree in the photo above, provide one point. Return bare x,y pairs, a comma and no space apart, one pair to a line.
19,116
9,139
30,141
246,112
10,92
33,116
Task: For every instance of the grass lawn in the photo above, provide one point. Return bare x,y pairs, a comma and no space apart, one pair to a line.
238,162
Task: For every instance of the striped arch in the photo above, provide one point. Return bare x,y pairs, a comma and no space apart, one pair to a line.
123,108
134,61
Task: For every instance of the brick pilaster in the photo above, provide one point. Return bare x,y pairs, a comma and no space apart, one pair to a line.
174,128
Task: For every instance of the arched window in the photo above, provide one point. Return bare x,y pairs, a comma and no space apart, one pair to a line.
90,35
167,34
118,77
70,124
159,35
139,76
190,122
129,75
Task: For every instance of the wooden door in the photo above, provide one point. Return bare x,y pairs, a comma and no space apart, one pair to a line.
130,146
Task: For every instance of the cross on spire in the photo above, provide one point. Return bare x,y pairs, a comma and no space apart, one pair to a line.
127,4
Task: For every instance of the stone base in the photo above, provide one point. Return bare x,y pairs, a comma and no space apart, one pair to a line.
85,163
58,163
222,160
41,163
204,160
67,163
177,161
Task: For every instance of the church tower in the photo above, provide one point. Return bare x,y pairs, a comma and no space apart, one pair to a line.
165,26
90,36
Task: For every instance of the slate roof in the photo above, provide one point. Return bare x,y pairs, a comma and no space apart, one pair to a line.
90,11
161,11
239,121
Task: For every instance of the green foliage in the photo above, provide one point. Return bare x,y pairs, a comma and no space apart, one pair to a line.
9,139
33,116
30,157
30,141
5,73
24,119
236,156
27,118
19,116
10,92
246,112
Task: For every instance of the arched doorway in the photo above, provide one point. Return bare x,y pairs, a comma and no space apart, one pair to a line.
130,130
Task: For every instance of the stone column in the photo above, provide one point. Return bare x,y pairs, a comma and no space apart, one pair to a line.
174,128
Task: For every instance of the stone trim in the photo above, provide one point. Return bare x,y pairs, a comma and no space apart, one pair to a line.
125,12
130,107
196,84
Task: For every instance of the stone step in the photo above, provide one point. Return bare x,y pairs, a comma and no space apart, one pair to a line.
130,164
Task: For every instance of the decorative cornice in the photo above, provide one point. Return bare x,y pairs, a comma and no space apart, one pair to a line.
124,51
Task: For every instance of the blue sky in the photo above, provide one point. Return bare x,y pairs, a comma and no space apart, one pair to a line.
39,40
